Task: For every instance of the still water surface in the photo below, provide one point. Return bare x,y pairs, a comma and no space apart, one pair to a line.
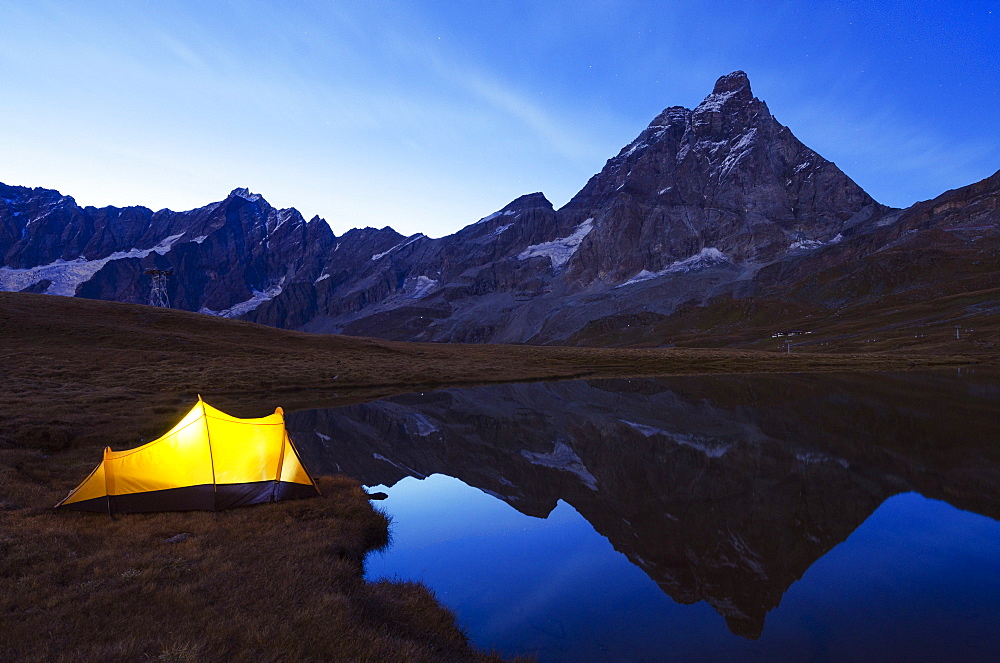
701,518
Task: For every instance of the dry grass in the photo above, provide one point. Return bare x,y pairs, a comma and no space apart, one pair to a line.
915,327
278,582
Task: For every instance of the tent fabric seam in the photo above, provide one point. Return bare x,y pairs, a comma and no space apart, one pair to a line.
82,483
127,452
249,422
299,458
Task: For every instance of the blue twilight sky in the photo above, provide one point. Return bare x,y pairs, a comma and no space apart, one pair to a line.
427,115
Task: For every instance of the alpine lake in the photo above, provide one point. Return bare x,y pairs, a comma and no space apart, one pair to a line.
812,517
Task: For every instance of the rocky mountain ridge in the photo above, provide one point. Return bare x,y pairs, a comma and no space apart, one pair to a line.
706,204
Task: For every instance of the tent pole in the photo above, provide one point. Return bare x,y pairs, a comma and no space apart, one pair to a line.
281,463
107,475
281,454
211,457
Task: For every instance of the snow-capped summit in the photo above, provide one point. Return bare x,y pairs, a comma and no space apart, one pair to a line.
724,175
735,83
245,194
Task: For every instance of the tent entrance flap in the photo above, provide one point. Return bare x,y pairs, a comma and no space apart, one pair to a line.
208,461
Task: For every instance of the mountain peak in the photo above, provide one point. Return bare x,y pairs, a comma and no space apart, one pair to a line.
734,82
734,87
244,193
527,201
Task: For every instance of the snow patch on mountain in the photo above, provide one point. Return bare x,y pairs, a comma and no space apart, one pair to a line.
704,146
563,458
422,286
499,231
559,251
424,427
284,215
707,257
811,458
398,246
714,102
636,145
504,481
809,244
742,148
259,297
726,607
648,431
490,217
710,447
412,471
67,275
321,277
749,557
245,194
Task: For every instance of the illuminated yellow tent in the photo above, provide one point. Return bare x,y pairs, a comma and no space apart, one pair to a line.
209,461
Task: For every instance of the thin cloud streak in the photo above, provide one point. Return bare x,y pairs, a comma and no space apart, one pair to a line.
426,119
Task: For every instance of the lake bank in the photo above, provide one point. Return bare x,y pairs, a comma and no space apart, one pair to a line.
83,372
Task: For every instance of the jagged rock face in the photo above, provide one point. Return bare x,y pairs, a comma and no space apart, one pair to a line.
221,254
716,201
39,226
726,175
937,247
723,188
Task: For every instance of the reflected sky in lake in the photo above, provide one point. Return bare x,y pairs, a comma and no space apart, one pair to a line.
763,518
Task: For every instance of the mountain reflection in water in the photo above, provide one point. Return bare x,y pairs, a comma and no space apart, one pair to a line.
720,489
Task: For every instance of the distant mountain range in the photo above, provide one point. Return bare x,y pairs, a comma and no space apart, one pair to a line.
714,225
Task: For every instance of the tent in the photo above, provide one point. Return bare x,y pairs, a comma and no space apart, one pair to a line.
209,461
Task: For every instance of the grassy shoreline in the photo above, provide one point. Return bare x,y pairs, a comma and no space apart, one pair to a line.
276,582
